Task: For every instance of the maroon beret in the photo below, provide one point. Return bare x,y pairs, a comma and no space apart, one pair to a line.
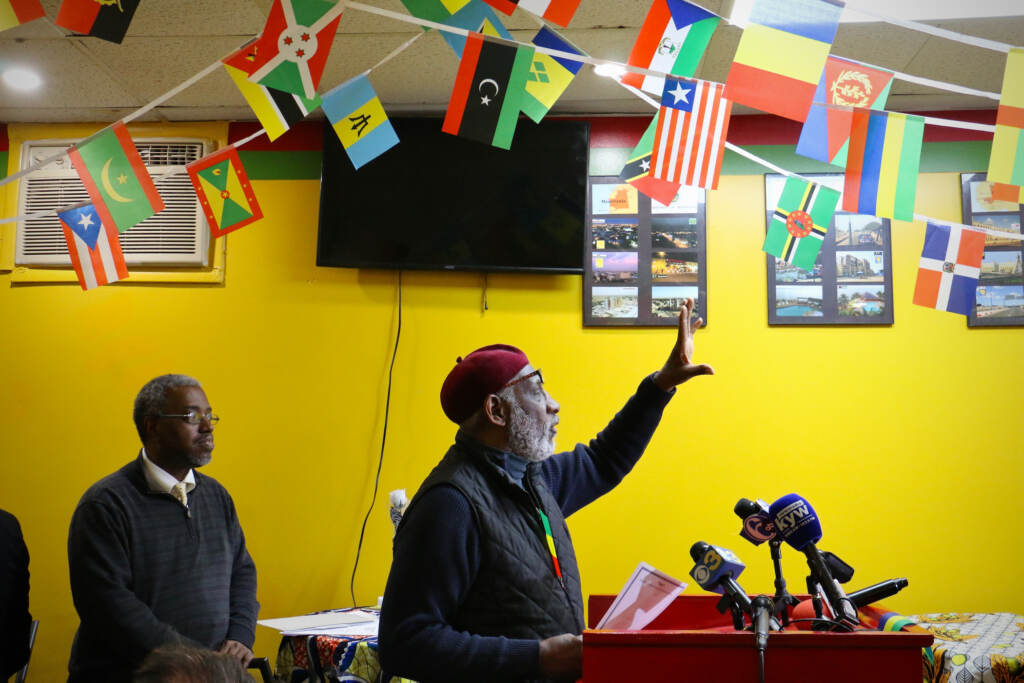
478,375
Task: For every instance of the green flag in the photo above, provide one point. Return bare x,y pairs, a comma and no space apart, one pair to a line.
800,221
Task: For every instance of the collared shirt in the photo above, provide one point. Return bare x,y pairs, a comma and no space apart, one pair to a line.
160,480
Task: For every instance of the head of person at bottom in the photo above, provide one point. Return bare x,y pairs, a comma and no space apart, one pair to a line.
180,664
175,423
497,397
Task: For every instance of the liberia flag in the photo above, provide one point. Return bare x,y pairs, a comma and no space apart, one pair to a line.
93,246
106,20
16,12
690,140
950,266
672,40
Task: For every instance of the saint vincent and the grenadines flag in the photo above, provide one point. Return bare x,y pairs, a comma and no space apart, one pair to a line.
488,91
884,158
672,40
359,120
276,110
549,76
781,55
115,178
1006,164
224,191
637,171
106,20
556,11
800,222
94,246
16,12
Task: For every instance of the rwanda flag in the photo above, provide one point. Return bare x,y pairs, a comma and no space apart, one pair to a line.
549,75
800,222
360,121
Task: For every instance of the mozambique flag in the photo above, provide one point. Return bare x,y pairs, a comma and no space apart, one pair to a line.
276,110
881,171
1006,165
781,54
800,221
16,12
103,19
672,40
359,119
549,75
637,171
115,178
224,191
488,91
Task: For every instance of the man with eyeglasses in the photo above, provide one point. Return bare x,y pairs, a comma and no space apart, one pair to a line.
156,553
484,584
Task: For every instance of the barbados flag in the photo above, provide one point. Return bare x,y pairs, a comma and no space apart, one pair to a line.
884,158
359,119
1006,165
549,75
800,222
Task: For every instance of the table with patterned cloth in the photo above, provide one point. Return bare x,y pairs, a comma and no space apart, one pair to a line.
301,659
973,647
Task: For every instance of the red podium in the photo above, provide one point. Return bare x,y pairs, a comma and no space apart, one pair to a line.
692,641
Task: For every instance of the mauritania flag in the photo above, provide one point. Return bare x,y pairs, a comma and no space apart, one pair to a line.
884,158
1006,165
549,75
94,247
224,191
488,92
781,54
358,118
690,140
16,12
950,265
276,110
800,222
672,40
106,19
115,178
844,83
637,171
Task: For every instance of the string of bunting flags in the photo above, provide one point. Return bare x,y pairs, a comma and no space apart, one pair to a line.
782,66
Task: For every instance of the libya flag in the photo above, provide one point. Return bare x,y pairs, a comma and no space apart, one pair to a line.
224,191
800,221
106,20
488,92
115,178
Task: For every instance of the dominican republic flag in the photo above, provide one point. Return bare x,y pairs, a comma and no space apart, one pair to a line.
690,140
950,267
94,247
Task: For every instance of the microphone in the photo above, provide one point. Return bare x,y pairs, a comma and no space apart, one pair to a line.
879,591
841,571
757,525
796,522
716,571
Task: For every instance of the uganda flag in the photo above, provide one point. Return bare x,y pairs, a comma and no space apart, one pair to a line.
115,178
107,20
16,12
488,92
798,226
224,191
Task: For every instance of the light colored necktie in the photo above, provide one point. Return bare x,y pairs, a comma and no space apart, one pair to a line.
178,491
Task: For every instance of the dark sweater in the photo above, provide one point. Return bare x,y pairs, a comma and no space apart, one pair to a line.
15,620
437,556
145,573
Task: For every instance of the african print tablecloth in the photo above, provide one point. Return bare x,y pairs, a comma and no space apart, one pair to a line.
307,659
974,648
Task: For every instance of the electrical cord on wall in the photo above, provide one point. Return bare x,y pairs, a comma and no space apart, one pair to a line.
383,441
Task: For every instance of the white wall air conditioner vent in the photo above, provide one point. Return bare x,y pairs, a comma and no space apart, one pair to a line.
177,236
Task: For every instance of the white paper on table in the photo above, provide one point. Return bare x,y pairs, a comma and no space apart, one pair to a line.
646,595
320,620
368,628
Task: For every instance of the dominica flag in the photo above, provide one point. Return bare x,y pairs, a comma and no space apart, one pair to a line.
950,266
825,135
800,222
781,55
637,171
292,51
488,92
549,76
115,178
276,110
94,247
556,11
884,158
472,15
224,191
16,12
359,119
99,18
672,40
1006,164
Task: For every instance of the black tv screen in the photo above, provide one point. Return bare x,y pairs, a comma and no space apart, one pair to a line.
436,201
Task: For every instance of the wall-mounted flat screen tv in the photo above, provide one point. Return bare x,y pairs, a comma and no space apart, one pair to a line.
436,201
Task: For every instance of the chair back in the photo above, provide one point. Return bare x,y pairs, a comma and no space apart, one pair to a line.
20,678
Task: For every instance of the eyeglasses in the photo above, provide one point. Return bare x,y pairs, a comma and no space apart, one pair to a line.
194,417
536,373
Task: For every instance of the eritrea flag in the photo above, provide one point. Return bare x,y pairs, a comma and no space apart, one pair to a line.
488,92
106,20
800,222
224,191
115,177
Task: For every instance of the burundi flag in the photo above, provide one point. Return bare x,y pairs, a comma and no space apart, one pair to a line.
844,83
472,15
672,40
881,171
950,266
291,52
800,222
115,178
637,171
106,19
276,110
1006,165
94,247
359,119
16,12
549,75
224,191
690,139
781,54
488,91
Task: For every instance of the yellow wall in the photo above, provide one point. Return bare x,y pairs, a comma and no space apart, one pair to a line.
907,439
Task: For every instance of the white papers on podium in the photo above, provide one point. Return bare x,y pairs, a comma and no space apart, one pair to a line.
646,595
344,622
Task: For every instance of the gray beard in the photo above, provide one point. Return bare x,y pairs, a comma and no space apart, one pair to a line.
526,438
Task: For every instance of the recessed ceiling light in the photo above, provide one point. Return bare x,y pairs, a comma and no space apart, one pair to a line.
19,78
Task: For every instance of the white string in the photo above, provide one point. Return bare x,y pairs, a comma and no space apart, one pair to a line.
934,30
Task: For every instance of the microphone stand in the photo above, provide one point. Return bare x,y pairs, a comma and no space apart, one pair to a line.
782,597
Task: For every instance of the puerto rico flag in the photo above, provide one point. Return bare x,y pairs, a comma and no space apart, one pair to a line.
950,266
94,247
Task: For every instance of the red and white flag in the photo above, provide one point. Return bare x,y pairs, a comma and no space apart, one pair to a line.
94,247
690,141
